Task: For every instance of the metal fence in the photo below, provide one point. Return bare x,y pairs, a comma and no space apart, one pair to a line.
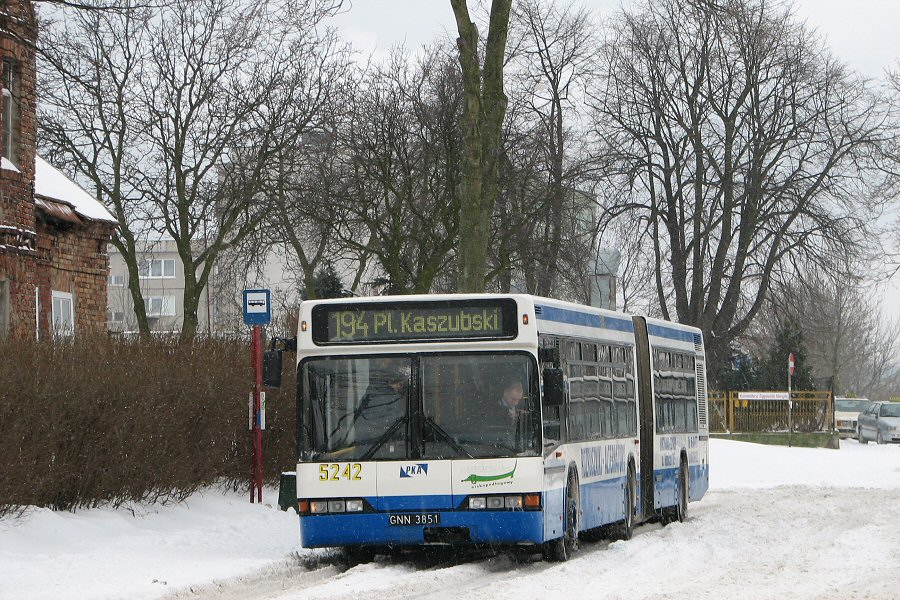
769,412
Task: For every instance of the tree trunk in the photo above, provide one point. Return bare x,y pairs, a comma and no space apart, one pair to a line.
483,113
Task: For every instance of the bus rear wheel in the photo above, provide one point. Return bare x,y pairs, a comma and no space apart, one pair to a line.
562,549
625,529
678,512
684,492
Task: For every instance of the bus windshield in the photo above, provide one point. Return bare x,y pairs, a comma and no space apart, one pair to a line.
430,406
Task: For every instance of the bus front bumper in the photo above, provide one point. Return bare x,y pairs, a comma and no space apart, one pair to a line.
453,527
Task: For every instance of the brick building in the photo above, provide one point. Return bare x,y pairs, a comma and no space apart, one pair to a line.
53,235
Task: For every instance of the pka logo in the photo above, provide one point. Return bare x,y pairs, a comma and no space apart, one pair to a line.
418,470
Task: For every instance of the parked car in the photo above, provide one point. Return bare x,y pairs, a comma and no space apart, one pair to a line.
880,422
846,411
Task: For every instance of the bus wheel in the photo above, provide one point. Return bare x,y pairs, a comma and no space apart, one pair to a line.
684,492
678,512
861,437
625,529
562,549
358,555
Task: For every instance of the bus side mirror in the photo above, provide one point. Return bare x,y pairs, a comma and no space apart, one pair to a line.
271,368
548,355
554,387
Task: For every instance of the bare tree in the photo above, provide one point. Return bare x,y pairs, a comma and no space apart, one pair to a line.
89,84
849,342
744,145
305,174
213,88
552,61
403,149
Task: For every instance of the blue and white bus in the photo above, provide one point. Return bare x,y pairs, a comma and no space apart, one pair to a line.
404,438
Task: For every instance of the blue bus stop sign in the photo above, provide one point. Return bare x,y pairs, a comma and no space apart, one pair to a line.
257,307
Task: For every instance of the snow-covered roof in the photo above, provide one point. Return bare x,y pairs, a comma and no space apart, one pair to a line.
51,183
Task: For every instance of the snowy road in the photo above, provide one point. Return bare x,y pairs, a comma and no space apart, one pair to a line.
784,542
777,522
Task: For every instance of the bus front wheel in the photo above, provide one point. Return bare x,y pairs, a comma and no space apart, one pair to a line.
358,555
562,549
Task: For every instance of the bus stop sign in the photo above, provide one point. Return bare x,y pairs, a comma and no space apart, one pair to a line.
257,307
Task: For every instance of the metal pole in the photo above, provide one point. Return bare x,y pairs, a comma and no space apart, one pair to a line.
790,412
256,453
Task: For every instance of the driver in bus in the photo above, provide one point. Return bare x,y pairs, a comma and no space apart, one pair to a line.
513,414
512,400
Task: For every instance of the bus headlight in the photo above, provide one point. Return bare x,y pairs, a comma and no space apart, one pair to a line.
513,502
495,502
332,506
500,502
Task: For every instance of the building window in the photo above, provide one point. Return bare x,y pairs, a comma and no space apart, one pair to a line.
114,316
9,116
160,306
63,317
117,280
157,268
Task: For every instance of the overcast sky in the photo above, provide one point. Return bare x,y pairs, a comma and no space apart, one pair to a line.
863,33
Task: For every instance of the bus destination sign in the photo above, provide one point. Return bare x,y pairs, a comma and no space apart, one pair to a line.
414,321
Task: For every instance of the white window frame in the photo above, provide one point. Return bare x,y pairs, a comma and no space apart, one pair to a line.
117,280
57,300
166,306
145,268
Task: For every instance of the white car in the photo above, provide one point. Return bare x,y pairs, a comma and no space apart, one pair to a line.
846,414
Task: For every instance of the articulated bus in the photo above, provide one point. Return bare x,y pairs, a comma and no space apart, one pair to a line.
406,436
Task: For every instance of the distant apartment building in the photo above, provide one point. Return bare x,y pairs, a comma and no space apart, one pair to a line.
162,287
161,275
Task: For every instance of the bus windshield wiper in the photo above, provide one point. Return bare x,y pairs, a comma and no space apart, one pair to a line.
447,438
383,438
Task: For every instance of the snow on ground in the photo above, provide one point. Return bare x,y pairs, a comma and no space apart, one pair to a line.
777,522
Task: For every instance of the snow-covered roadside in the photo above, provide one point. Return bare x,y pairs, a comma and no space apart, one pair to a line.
105,553
808,523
